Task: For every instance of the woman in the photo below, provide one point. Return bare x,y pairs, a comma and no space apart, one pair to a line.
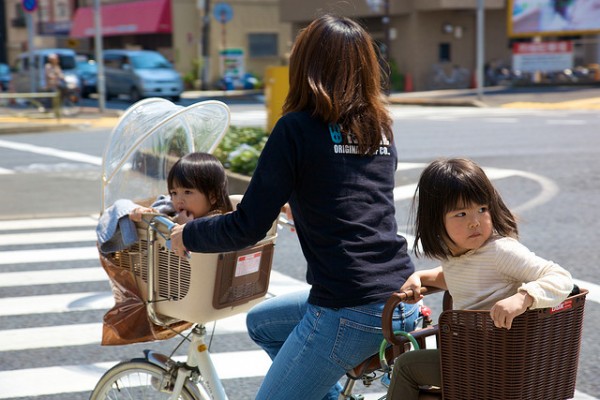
333,158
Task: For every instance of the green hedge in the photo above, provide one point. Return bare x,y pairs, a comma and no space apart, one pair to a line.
240,148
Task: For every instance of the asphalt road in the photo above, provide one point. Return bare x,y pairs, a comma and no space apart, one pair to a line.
544,163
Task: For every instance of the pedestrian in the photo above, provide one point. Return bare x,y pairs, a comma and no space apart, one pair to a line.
197,186
54,77
332,156
53,73
462,221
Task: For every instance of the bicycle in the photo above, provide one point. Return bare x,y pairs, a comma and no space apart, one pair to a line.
199,289
65,104
158,376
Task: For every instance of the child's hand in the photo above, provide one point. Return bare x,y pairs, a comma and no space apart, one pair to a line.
413,283
183,217
136,213
287,210
504,311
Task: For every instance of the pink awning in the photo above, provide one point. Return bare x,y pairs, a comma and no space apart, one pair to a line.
136,17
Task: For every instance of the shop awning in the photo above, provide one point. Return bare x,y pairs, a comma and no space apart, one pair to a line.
133,18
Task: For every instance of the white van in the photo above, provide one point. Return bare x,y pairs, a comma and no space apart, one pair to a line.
140,73
22,76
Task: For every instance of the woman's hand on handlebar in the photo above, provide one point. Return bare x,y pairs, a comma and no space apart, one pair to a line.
177,246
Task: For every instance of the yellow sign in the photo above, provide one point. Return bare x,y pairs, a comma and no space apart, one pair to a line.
72,43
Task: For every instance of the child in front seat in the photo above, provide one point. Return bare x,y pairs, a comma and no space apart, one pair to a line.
197,186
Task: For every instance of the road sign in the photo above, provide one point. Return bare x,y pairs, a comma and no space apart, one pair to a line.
29,5
223,12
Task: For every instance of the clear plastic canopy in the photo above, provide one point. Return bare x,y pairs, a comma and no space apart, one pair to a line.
149,137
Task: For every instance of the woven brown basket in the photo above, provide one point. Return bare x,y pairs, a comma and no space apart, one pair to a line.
536,359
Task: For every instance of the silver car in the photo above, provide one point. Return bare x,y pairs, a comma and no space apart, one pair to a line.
139,74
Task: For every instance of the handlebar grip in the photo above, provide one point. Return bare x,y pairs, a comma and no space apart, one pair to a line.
391,304
165,221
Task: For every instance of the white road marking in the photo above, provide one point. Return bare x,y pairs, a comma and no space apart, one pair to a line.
48,255
44,223
47,237
49,151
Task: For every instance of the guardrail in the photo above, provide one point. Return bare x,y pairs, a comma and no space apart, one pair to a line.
55,96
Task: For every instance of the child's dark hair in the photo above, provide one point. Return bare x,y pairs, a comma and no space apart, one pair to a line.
204,172
444,185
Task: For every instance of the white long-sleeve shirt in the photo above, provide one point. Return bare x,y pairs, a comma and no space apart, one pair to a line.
498,269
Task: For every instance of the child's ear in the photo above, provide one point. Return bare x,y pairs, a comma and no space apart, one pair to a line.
213,199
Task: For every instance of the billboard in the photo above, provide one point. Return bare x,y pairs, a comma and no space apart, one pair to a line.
528,18
543,57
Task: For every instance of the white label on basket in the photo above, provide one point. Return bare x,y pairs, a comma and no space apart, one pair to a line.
248,264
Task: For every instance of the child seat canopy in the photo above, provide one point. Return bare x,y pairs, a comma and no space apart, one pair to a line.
147,140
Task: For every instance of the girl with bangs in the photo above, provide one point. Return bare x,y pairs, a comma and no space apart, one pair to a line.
197,186
462,221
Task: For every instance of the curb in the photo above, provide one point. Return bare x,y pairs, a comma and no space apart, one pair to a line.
31,128
437,102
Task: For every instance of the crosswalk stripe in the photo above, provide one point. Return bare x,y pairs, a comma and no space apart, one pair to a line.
43,223
83,378
48,255
50,336
52,276
56,303
48,237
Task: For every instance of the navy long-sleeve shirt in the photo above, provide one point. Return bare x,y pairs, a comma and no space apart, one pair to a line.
343,210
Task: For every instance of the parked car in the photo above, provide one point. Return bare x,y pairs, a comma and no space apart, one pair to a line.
140,73
22,77
5,77
87,71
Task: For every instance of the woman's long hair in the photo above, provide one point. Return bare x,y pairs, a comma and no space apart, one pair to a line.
335,73
205,173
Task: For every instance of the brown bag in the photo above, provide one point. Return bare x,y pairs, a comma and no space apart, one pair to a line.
127,322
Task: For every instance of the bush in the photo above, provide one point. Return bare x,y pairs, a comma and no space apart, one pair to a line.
240,148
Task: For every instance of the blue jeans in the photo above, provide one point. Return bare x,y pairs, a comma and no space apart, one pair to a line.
312,347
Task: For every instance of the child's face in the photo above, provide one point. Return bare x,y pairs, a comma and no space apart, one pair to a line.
468,227
191,200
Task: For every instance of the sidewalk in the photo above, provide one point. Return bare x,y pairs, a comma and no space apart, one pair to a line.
550,98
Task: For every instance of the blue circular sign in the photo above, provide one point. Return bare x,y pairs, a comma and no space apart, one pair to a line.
29,5
223,12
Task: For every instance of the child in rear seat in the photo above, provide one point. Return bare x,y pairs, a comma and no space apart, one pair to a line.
462,221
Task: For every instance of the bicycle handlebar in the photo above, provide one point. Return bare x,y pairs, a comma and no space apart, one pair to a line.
391,304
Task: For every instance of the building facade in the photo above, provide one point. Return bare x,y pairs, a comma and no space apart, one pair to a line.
248,32
431,44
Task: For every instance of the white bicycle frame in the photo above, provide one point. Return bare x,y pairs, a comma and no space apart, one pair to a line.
198,355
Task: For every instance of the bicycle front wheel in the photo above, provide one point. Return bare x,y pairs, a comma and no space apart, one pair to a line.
137,379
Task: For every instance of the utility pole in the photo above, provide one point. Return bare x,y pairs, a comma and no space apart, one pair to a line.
382,7
480,48
205,44
29,6
387,43
100,83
